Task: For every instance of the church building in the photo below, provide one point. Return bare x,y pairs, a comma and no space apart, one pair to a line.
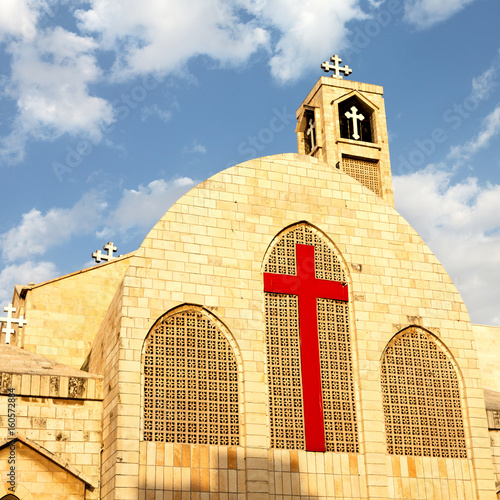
281,333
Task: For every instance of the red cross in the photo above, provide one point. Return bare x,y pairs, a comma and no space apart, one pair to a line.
308,289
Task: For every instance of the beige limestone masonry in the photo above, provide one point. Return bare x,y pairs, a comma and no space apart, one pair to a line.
41,478
208,250
64,314
70,429
487,343
58,423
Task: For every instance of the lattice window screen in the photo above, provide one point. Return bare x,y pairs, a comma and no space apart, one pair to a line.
190,382
336,376
282,258
285,392
283,351
365,172
421,397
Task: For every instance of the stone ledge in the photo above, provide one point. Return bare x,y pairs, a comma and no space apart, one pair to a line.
51,386
32,375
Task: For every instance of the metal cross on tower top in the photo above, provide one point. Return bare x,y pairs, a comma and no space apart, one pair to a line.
110,248
335,67
9,320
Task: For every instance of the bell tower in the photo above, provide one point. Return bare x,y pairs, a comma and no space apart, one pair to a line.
343,123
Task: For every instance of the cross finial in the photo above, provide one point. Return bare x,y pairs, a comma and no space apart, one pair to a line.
335,67
110,248
9,320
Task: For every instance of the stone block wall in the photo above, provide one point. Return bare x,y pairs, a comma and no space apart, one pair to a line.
64,314
208,250
58,427
39,478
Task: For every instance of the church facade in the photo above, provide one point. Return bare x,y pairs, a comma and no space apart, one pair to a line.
282,332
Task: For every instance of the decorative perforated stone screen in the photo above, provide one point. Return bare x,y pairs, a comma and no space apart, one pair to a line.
284,351
365,172
421,398
190,382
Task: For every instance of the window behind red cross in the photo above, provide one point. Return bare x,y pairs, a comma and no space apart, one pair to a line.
311,393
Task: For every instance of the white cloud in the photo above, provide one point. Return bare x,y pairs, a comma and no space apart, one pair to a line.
425,13
160,36
195,148
199,148
163,114
303,30
18,18
50,79
490,128
53,70
485,83
460,221
38,232
137,208
22,274
143,207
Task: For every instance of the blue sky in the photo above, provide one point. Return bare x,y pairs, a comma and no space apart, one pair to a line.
112,109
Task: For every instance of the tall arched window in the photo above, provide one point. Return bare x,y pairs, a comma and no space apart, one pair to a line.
190,381
421,397
309,361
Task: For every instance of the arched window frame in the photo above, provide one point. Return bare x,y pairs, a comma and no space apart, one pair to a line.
412,445
222,329
351,447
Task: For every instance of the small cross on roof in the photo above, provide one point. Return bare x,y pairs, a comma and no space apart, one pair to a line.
335,67
110,249
9,320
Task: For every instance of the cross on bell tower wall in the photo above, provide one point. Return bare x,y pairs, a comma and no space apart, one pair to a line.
356,142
